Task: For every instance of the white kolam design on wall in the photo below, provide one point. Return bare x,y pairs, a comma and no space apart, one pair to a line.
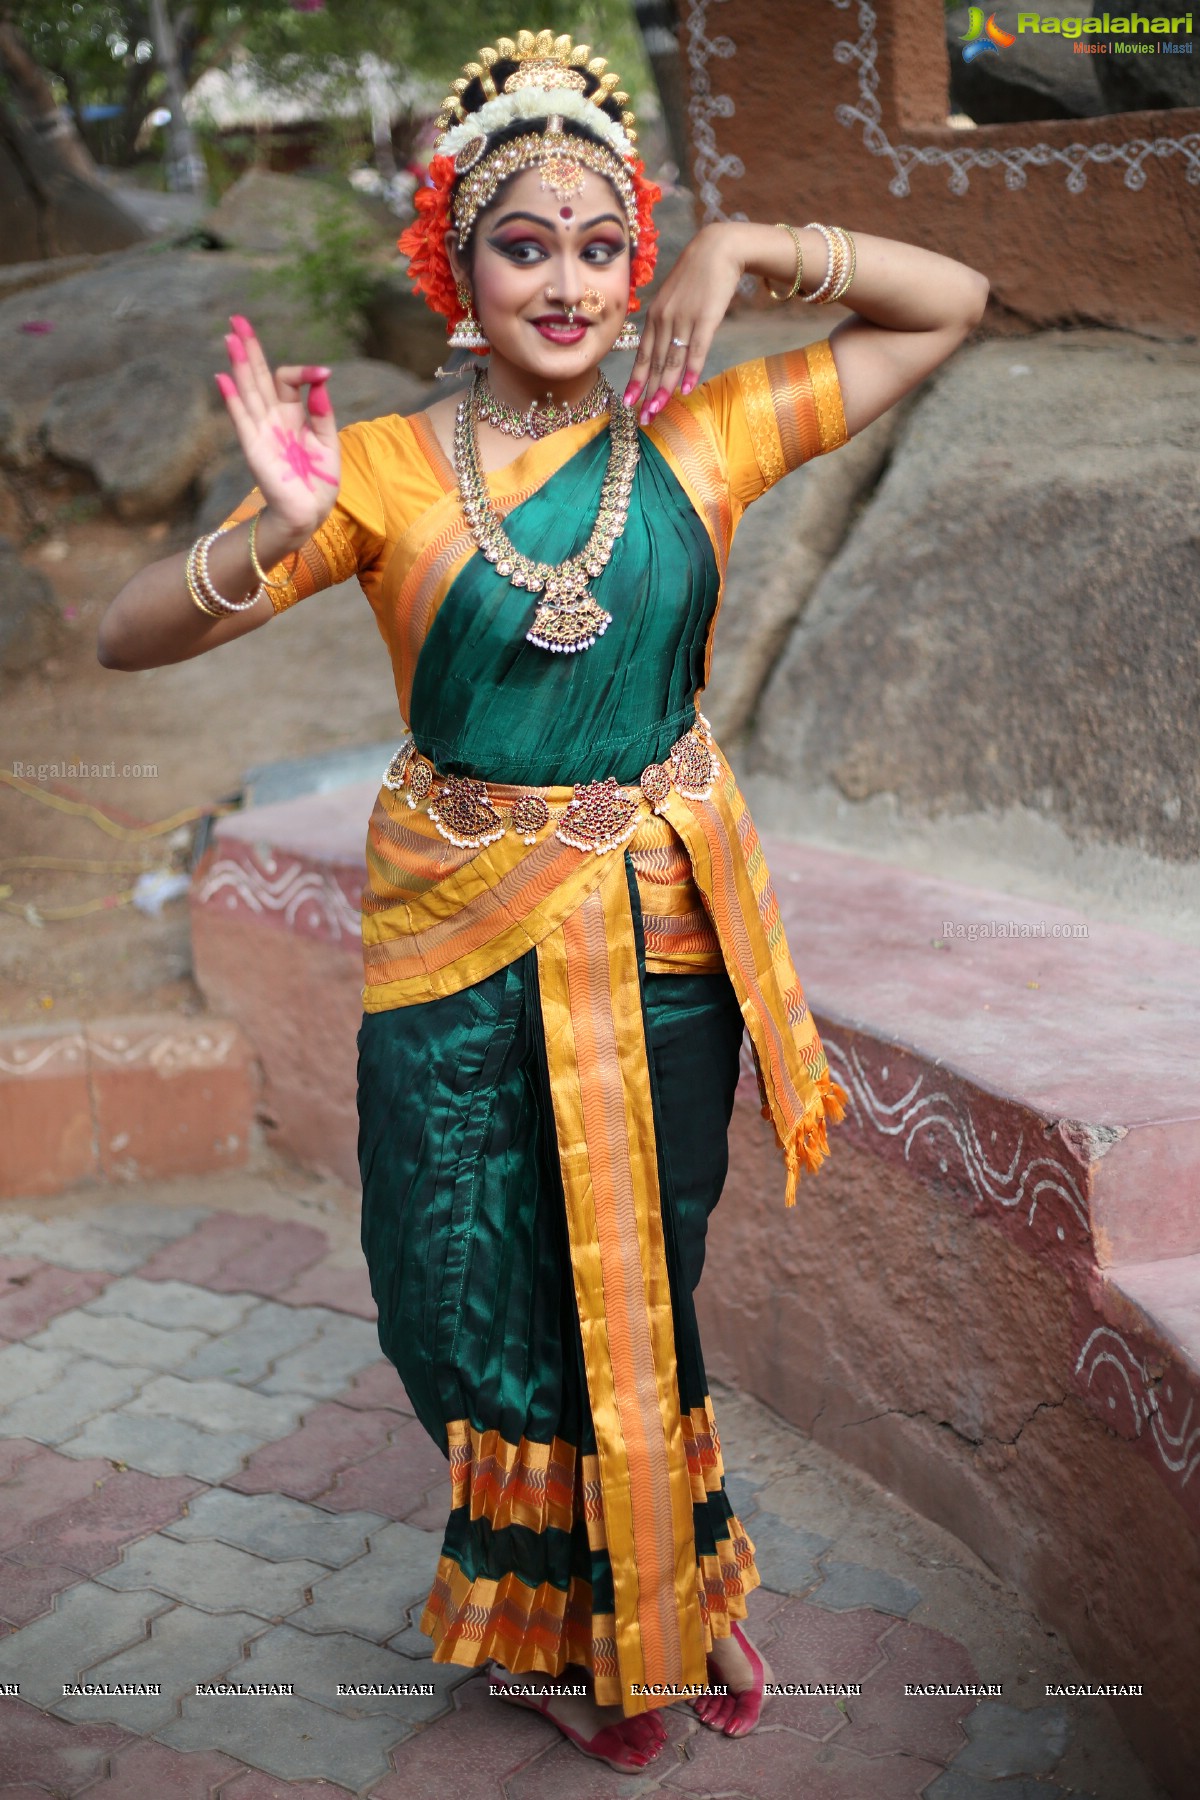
1014,160
296,894
1037,1180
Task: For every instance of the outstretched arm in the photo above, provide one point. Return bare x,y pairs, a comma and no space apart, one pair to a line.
914,308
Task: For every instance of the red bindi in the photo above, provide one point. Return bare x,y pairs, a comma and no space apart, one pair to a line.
565,212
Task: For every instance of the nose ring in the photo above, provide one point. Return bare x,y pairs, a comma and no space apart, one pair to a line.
593,301
569,310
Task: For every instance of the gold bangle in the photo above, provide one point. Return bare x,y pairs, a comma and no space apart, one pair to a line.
795,287
254,562
852,258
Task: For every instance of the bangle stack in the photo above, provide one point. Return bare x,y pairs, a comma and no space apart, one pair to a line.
842,259
200,585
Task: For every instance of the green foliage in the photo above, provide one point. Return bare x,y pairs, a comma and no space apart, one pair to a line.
335,273
101,53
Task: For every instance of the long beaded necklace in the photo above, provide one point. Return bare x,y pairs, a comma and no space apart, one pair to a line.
569,618
540,417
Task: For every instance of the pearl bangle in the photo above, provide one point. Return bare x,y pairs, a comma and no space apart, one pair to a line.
842,260
198,563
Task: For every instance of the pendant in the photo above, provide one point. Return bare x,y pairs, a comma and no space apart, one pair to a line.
568,628
600,817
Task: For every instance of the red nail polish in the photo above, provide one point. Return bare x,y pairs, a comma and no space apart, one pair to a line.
689,382
315,372
235,347
660,399
319,403
226,385
242,326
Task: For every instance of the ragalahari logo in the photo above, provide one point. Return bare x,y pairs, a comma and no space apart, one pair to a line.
979,37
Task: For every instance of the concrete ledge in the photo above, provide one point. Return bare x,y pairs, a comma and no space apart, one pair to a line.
122,1100
988,1298
277,945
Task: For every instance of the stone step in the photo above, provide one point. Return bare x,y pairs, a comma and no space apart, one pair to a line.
123,1099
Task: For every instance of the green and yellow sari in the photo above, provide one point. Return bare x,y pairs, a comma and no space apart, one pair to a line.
551,1034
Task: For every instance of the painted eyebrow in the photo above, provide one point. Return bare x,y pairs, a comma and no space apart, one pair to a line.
548,224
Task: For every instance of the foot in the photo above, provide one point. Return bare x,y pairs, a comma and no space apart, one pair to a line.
625,1744
736,1664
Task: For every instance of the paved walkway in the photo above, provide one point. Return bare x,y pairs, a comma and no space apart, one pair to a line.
207,1474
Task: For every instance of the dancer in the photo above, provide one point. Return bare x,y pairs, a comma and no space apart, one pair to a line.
568,923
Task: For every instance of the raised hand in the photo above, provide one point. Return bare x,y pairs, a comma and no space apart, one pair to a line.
292,451
683,317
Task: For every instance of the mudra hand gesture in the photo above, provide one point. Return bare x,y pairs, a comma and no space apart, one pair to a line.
292,452
683,317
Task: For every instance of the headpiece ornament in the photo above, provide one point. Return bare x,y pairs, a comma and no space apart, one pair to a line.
555,81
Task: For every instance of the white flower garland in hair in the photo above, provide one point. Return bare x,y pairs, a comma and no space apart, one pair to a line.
534,103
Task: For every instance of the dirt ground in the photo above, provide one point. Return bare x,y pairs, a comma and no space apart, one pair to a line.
316,678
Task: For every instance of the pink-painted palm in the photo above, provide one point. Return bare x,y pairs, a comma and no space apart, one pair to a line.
292,449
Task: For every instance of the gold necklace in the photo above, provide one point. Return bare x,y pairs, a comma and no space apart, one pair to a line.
569,618
540,417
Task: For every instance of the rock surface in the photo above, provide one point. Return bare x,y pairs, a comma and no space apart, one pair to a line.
30,622
1137,83
782,548
156,301
264,213
1015,624
143,432
1038,77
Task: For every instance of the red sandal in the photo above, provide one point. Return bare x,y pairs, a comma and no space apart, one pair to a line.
608,1745
734,1714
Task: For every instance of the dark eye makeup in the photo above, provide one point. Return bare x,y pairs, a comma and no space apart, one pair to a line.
528,250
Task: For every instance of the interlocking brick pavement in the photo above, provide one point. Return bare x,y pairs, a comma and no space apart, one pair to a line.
33,1292
208,1474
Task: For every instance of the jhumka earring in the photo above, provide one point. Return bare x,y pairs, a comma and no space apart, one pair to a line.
468,334
628,338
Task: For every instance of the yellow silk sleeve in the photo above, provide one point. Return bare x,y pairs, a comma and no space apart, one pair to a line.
773,413
347,542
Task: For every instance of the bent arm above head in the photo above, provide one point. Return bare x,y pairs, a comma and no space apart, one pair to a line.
914,307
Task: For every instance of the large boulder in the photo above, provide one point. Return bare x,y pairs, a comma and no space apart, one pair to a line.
264,212
1012,620
146,302
30,622
1038,77
143,432
1142,83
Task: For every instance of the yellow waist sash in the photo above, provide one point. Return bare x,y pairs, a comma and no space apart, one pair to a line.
466,876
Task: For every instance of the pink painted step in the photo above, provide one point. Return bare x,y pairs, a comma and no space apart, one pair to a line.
156,1094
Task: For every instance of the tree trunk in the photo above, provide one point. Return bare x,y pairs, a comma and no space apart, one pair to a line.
52,201
658,22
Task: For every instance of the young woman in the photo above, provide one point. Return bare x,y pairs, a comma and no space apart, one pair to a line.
568,923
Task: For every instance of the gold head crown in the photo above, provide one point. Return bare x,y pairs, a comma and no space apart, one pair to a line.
546,63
